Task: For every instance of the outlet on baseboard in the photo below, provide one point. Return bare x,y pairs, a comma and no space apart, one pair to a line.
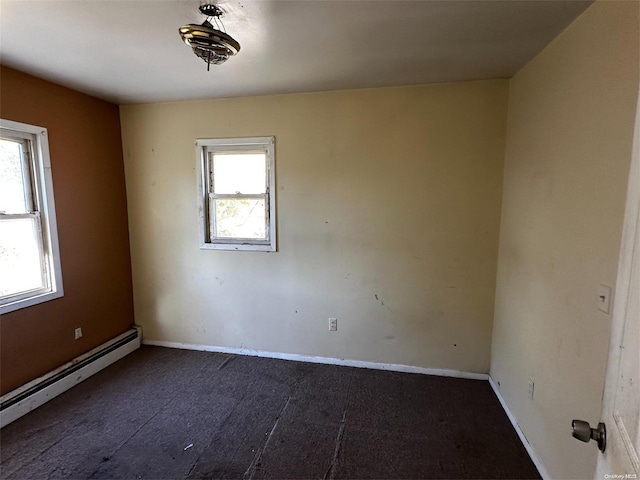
78,333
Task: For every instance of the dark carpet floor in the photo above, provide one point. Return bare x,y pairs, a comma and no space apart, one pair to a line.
162,413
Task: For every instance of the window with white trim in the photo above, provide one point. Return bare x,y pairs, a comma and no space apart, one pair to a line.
29,256
236,195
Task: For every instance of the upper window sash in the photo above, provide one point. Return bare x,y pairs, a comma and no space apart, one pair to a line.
25,142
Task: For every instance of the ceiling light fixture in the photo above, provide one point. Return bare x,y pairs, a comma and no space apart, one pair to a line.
211,44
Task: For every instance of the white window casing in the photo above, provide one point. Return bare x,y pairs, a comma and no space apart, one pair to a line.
212,233
40,210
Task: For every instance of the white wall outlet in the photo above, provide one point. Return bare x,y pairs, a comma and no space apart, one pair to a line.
530,386
604,298
78,333
333,324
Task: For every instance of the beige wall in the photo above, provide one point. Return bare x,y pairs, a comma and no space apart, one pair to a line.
570,128
388,219
91,209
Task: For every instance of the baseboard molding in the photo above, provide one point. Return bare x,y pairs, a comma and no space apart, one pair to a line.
534,458
326,360
30,396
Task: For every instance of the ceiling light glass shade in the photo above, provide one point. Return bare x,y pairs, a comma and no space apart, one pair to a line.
208,43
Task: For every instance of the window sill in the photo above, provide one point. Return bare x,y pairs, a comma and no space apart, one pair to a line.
30,301
239,247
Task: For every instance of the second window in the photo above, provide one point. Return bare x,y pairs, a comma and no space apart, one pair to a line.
237,193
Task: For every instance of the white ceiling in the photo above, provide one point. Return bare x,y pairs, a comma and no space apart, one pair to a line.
129,51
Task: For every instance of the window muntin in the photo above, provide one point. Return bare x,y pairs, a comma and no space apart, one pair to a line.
237,200
29,259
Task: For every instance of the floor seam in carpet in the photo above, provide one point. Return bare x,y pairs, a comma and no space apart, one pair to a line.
331,471
222,424
226,360
251,471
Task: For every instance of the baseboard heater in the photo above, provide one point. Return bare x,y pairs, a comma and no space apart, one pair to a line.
30,396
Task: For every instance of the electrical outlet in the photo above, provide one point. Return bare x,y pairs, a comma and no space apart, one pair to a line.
78,333
530,386
333,324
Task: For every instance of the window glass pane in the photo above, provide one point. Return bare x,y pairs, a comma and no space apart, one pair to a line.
239,173
12,178
240,218
20,256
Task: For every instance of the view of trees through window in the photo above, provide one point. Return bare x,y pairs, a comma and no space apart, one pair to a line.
240,218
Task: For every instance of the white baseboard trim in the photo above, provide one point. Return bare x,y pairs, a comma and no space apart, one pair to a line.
534,458
30,396
326,360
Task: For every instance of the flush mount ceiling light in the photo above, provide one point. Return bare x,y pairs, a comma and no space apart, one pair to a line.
211,44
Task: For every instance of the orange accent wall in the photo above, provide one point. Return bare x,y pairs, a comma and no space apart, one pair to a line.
91,211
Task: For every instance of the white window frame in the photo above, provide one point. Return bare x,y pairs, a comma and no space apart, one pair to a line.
42,208
264,145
